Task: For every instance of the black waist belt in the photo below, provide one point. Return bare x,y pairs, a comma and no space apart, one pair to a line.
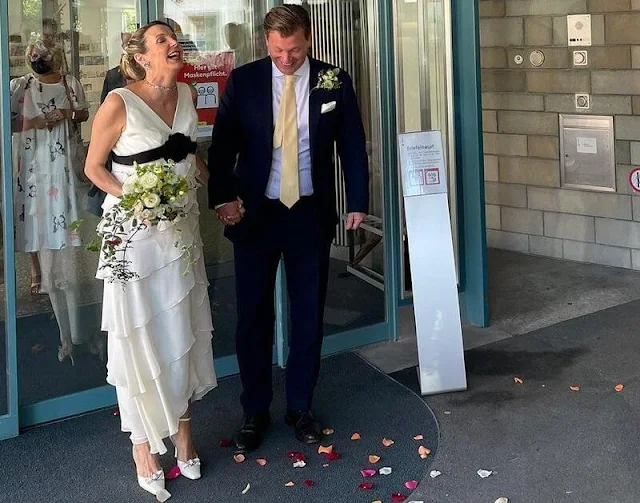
177,148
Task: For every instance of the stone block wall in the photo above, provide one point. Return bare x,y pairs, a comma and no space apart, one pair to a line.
526,209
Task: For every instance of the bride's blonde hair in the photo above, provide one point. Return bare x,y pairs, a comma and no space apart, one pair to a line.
130,68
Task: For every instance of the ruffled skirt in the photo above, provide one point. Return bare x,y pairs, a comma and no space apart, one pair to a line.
159,325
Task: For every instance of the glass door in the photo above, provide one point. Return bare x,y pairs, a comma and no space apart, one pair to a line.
61,351
217,36
424,83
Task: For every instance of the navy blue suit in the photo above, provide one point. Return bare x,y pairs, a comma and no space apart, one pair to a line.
240,159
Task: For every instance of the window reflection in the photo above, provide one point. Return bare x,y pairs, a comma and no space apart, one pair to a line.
60,53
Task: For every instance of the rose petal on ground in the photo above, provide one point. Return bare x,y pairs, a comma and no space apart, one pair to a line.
517,380
387,442
423,451
246,489
411,484
239,458
376,501
116,412
261,461
289,484
225,442
366,486
373,459
502,500
484,473
574,388
328,431
325,450
173,474
325,465
296,456
619,387
434,473
419,437
385,471
299,464
308,483
398,497
367,473
332,456
356,436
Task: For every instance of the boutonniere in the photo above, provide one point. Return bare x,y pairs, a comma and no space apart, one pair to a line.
328,80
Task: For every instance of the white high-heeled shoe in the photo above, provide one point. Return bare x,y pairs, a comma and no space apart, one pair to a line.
154,484
191,467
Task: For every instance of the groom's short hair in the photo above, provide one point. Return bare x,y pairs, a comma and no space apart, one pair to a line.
287,19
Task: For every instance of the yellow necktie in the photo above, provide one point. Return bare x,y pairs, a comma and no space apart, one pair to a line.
286,136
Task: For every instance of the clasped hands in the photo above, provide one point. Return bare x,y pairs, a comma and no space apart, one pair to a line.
231,213
50,119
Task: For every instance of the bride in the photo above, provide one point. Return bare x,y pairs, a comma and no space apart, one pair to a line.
159,325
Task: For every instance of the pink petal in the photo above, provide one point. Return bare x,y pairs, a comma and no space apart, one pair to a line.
398,497
411,484
173,474
116,412
367,473
366,486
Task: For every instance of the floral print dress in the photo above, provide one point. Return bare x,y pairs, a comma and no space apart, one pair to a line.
44,174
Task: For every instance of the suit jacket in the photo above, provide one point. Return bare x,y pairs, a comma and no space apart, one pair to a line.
242,145
112,80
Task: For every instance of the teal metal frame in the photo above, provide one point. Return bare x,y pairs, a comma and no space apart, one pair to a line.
469,148
8,421
474,283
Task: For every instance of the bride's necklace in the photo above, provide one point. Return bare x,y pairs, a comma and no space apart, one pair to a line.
163,88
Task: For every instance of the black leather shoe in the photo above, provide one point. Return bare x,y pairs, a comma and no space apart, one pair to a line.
249,437
307,429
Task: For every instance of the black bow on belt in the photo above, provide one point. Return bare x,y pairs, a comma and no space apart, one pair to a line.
177,148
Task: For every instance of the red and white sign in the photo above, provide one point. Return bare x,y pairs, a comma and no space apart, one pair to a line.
634,180
208,73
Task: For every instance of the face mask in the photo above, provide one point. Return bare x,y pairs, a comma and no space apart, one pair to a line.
41,67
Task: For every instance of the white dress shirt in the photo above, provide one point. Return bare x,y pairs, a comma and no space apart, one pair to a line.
304,143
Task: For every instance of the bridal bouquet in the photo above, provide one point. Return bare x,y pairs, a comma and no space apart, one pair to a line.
154,196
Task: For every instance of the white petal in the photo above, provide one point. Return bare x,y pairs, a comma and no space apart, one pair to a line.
434,474
484,473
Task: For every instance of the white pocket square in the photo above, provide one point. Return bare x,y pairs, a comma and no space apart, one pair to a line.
328,107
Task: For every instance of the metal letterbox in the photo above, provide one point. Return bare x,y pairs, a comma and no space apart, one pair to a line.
587,152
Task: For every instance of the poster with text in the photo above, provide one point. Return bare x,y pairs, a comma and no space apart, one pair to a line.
207,73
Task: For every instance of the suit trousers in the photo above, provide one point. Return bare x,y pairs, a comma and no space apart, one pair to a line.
295,235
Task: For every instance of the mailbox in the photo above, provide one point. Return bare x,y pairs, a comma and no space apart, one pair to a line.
587,152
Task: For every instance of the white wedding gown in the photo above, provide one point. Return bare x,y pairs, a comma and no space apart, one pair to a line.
159,325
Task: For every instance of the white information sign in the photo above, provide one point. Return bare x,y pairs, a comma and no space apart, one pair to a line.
433,273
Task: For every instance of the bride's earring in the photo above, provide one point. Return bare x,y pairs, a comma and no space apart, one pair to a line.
146,65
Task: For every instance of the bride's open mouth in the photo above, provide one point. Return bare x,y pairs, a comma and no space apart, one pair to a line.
174,55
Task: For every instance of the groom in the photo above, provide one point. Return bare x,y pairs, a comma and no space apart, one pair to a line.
273,185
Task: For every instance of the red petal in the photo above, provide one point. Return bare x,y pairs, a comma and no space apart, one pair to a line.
332,456
411,484
173,474
296,456
398,497
308,483
366,486
225,442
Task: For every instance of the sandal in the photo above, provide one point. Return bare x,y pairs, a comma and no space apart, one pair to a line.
36,284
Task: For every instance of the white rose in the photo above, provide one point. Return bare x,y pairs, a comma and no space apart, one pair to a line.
129,185
151,200
137,209
180,201
148,180
147,214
